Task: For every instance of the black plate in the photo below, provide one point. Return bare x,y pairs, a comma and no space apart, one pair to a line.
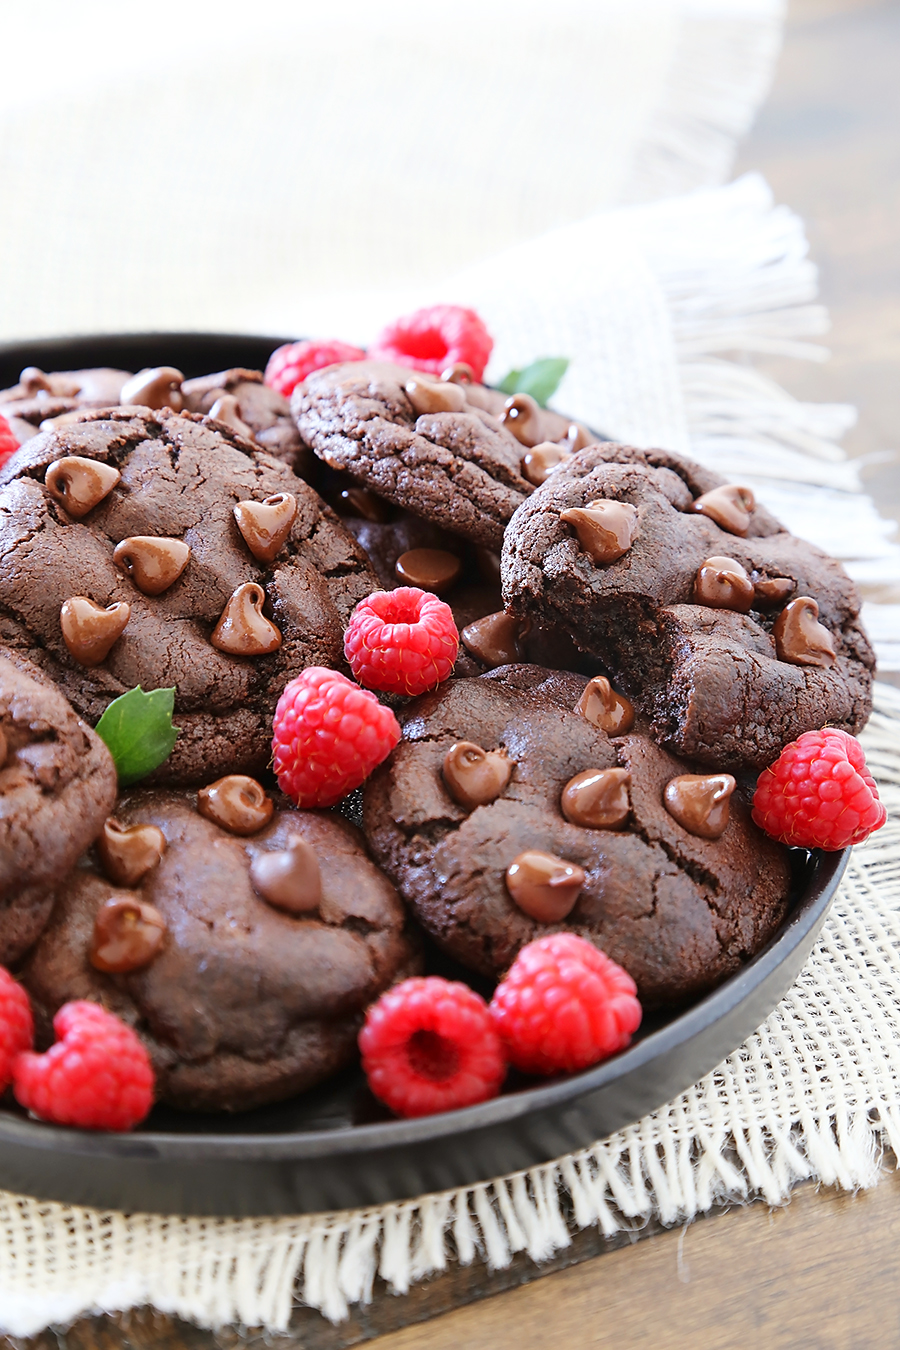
334,1148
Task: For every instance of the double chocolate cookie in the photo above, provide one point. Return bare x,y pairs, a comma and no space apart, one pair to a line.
243,945
506,813
452,453
161,549
57,786
731,634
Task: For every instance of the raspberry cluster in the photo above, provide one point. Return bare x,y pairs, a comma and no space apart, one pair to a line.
8,443
290,364
819,793
434,338
402,641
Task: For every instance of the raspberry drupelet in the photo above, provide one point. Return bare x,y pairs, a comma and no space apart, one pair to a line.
819,793
16,1025
434,338
563,1006
429,1045
290,364
401,642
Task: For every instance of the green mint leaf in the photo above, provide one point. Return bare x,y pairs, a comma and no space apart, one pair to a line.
510,383
138,732
541,379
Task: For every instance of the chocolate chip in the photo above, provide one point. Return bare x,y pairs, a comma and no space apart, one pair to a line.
729,506
80,484
475,777
603,707
433,396
154,564
431,569
359,501
493,639
700,802
89,631
237,803
543,886
156,387
577,437
522,416
800,639
770,592
723,583
606,529
226,410
265,525
129,852
597,799
289,879
459,373
539,462
127,935
34,382
243,629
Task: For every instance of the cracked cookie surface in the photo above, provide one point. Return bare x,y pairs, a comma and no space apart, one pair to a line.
679,912
710,679
181,477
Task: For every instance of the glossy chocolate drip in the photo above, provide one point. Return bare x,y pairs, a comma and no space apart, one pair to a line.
539,462
433,396
770,592
156,387
543,886
800,639
597,799
729,506
603,707
475,777
722,583
459,373
238,803
227,410
127,935
494,639
80,484
89,631
265,525
522,416
431,569
243,629
359,501
154,564
605,529
129,852
289,879
700,802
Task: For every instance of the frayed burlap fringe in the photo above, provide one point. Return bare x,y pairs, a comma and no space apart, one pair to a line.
815,1092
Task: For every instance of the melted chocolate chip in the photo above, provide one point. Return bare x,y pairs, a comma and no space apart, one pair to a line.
431,569
493,639
127,935
265,525
289,879
722,583
237,803
34,382
89,631
597,799
603,707
80,484
539,462
577,437
700,802
605,529
729,506
154,564
543,886
475,777
432,396
129,852
226,410
522,416
157,387
459,373
800,639
243,629
770,592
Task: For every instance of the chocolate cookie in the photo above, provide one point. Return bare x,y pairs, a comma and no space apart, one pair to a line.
480,793
731,634
57,786
39,397
123,562
239,399
240,999
434,447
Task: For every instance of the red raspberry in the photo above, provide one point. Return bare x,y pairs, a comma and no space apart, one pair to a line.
402,641
434,338
97,1076
290,364
429,1045
819,793
564,1005
16,1025
8,443
329,736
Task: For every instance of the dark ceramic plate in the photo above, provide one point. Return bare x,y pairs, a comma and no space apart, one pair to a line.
335,1148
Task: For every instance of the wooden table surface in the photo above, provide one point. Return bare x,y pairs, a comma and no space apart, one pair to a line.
823,1273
